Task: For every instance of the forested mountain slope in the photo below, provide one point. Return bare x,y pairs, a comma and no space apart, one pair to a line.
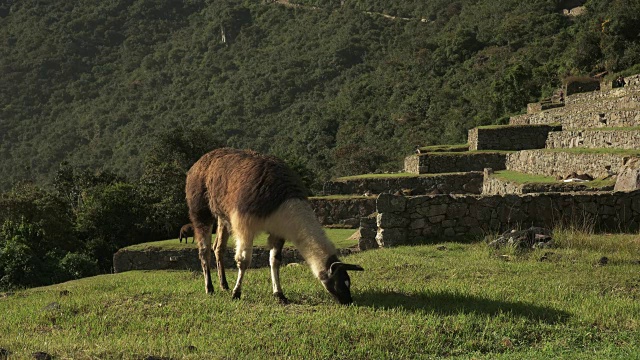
334,88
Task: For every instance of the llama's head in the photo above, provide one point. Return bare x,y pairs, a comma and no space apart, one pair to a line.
337,281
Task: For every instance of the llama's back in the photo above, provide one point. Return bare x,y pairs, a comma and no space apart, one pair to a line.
243,182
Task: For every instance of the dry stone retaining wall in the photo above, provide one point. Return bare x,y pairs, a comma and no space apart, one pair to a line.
415,220
554,163
617,139
458,183
509,137
344,212
433,163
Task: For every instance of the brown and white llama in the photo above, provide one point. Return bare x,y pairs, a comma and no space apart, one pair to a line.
249,193
185,232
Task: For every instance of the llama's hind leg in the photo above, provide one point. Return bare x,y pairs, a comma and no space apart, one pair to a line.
202,233
275,259
244,251
219,249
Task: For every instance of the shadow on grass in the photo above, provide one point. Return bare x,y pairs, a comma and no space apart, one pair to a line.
451,304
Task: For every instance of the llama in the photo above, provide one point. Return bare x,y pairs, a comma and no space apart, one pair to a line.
185,232
249,193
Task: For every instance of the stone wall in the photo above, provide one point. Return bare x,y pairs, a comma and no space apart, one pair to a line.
554,163
597,98
580,85
187,259
617,139
458,183
581,119
433,163
421,219
494,185
510,137
584,110
343,212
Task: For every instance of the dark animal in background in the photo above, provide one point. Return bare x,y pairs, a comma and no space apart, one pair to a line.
185,232
249,193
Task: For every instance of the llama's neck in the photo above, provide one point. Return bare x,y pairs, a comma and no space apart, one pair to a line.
296,222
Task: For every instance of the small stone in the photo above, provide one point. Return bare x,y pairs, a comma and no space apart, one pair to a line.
41,355
603,261
442,248
4,354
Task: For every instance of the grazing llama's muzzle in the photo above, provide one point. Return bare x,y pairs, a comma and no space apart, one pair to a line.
338,282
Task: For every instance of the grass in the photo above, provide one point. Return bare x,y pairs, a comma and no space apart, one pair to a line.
392,176
611,151
342,197
445,148
377,176
496,127
524,178
340,237
621,128
411,302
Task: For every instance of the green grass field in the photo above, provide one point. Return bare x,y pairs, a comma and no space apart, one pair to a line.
390,176
523,178
340,237
611,151
465,301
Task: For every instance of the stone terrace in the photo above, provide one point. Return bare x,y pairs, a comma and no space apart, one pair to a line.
592,133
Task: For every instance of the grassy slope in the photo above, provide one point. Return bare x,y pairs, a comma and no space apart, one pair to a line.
412,302
340,237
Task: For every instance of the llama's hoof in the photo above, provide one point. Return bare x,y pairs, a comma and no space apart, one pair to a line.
224,285
281,298
209,289
236,294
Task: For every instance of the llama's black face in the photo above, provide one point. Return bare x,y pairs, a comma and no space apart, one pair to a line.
338,282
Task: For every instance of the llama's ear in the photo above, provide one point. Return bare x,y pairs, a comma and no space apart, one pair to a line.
337,266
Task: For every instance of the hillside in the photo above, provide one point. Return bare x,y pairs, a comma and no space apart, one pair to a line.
339,90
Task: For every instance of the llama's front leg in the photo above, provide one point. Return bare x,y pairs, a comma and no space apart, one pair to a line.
275,259
203,234
244,251
219,249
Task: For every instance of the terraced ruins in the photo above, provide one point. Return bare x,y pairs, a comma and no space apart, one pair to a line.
558,164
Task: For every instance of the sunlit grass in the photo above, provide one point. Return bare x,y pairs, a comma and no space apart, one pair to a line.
462,300
340,237
524,178
611,151
391,176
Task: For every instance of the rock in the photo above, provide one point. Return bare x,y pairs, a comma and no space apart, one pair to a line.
629,176
41,355
4,354
603,261
524,239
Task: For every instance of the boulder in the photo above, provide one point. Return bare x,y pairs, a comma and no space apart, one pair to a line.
629,176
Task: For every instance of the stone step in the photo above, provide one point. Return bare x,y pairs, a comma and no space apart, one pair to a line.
599,163
581,119
594,138
509,137
406,184
452,162
510,182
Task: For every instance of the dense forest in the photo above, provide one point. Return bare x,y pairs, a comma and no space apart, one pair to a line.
104,105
